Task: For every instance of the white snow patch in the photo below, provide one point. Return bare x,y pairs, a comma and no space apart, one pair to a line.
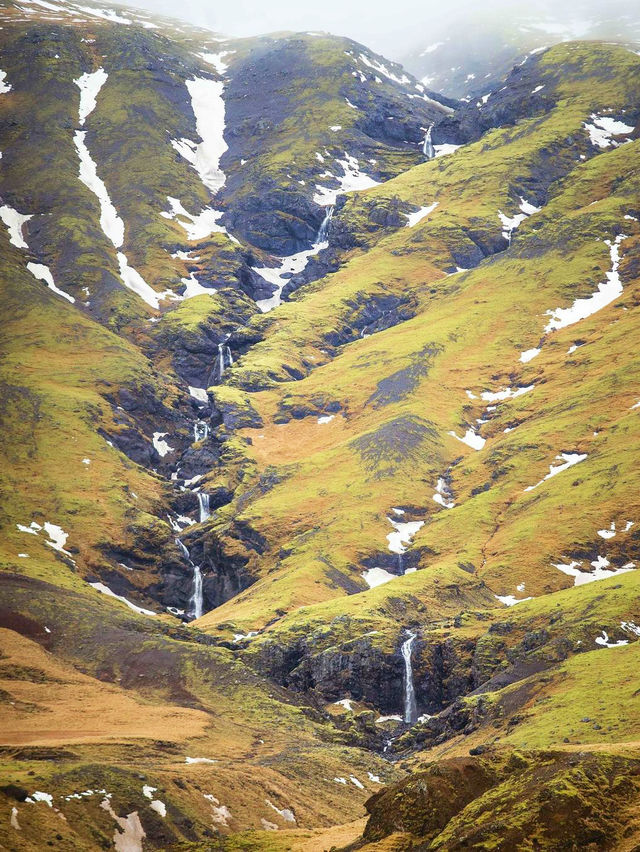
289,266
605,294
14,222
394,718
159,807
197,226
419,215
194,288
630,627
132,834
161,446
356,782
326,418
58,537
347,703
199,393
340,780
529,355
567,459
582,577
471,439
192,760
14,819
377,576
382,69
507,393
111,224
511,600
610,533
105,14
444,149
351,180
43,273
105,590
219,813
286,813
39,796
208,107
604,641
443,494
89,85
4,86
604,128
374,778
217,60
135,282
402,535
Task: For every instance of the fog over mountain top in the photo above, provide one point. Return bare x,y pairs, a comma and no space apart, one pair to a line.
397,30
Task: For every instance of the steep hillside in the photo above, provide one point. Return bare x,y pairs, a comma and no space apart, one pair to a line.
320,438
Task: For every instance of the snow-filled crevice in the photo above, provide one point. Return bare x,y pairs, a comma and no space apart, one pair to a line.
112,225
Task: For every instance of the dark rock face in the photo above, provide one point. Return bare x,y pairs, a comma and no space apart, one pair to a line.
271,89
360,670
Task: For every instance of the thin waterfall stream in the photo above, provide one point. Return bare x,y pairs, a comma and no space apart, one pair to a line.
427,146
196,601
410,706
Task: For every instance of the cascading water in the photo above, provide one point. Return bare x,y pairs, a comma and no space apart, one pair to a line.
183,549
225,359
410,706
427,146
200,430
323,231
203,503
196,602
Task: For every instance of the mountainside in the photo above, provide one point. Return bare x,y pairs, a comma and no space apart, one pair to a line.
320,497
468,52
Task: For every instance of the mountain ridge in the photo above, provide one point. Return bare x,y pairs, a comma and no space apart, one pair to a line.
369,436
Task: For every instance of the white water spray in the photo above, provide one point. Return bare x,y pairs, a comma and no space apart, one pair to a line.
203,503
183,549
200,430
196,602
225,359
323,231
410,706
427,146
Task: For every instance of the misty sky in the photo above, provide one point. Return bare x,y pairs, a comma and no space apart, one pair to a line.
392,27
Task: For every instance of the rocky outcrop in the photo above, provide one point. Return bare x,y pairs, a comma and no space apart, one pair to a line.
509,800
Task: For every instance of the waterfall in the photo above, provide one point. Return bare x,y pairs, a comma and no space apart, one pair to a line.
410,706
225,359
196,601
400,565
200,430
183,549
427,145
323,231
203,503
